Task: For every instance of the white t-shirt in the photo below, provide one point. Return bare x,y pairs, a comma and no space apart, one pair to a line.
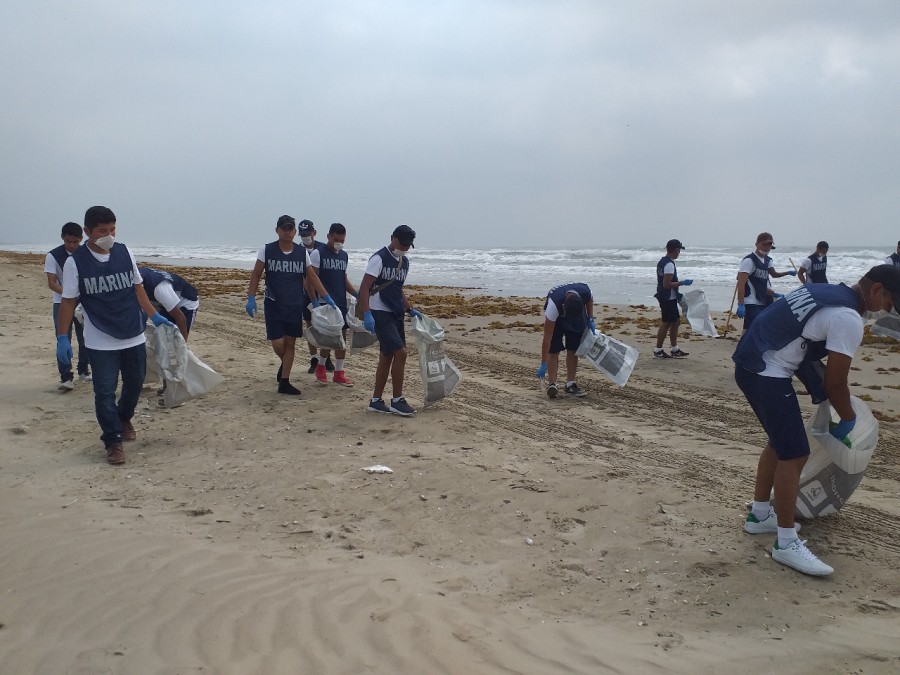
670,269
169,298
889,261
840,327
94,338
551,313
374,268
807,263
52,267
748,267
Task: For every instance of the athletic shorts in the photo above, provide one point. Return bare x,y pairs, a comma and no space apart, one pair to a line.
669,310
775,403
277,327
750,313
189,316
563,339
390,331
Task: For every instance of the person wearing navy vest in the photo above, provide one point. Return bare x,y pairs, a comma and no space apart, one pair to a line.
894,258
330,261
53,266
568,310
383,302
103,275
753,291
175,297
307,231
813,269
667,285
286,268
812,321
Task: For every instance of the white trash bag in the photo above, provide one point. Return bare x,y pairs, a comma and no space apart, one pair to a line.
440,376
166,354
358,336
612,358
697,313
186,376
833,470
886,326
326,327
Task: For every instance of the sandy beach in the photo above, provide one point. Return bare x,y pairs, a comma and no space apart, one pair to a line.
517,534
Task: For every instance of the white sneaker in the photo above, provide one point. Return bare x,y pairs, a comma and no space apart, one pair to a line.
85,377
768,525
68,385
799,557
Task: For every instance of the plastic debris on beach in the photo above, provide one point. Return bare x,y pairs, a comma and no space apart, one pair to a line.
378,468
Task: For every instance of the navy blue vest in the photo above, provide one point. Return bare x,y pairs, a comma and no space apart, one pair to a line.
391,295
817,269
107,292
557,296
759,279
784,321
284,276
153,278
661,292
60,255
896,258
333,274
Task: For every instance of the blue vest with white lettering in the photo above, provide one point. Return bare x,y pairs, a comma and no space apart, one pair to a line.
60,255
333,275
759,279
896,258
284,277
153,278
106,290
783,322
391,295
557,296
661,292
817,269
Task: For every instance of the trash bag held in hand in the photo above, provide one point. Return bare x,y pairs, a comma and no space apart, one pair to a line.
612,358
358,337
440,376
697,313
198,380
326,327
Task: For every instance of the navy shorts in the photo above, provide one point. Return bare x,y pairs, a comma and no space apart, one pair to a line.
775,403
669,311
750,313
390,331
564,339
277,327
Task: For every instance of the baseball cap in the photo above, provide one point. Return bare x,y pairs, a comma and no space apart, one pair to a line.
405,235
285,223
889,277
306,228
764,237
673,244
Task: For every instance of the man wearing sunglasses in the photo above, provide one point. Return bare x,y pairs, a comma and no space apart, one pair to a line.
753,292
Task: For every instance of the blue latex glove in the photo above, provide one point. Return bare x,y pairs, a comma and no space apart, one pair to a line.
369,321
414,313
542,369
327,300
592,324
778,296
64,349
251,305
159,320
687,282
355,294
793,273
841,430
740,312
314,302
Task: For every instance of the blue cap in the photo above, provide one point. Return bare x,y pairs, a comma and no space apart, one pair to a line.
305,228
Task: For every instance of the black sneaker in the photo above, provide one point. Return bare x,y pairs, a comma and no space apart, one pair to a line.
313,362
379,406
401,407
677,353
329,366
552,391
285,387
661,354
574,390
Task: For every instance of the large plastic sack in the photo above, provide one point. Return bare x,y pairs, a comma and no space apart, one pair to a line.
166,354
612,358
697,313
198,379
326,327
833,470
440,376
357,335
886,326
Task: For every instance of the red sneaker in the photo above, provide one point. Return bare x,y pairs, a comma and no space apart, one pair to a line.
321,375
340,377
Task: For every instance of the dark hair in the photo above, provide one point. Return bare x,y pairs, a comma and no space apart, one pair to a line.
71,229
337,228
98,215
573,305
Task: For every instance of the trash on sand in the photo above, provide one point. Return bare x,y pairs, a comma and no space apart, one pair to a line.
378,468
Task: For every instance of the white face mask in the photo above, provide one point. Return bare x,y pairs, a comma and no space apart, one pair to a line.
106,243
306,240
337,246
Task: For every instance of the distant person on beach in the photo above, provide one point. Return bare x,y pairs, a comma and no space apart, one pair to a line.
330,262
812,269
568,310
286,267
814,319
103,275
667,285
307,232
383,302
753,291
894,258
53,267
173,296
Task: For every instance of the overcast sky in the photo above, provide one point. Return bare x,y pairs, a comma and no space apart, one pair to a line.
480,124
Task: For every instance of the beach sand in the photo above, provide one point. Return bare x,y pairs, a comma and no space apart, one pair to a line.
517,534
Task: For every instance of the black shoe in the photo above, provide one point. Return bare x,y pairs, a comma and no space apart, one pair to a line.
677,353
285,387
313,362
278,374
574,390
329,366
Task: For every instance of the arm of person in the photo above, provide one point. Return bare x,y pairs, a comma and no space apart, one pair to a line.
837,370
778,275
801,274
589,307
53,282
349,287
365,288
179,319
741,286
548,336
66,314
313,283
668,283
144,301
255,276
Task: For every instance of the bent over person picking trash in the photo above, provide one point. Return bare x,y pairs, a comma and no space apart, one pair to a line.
568,309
